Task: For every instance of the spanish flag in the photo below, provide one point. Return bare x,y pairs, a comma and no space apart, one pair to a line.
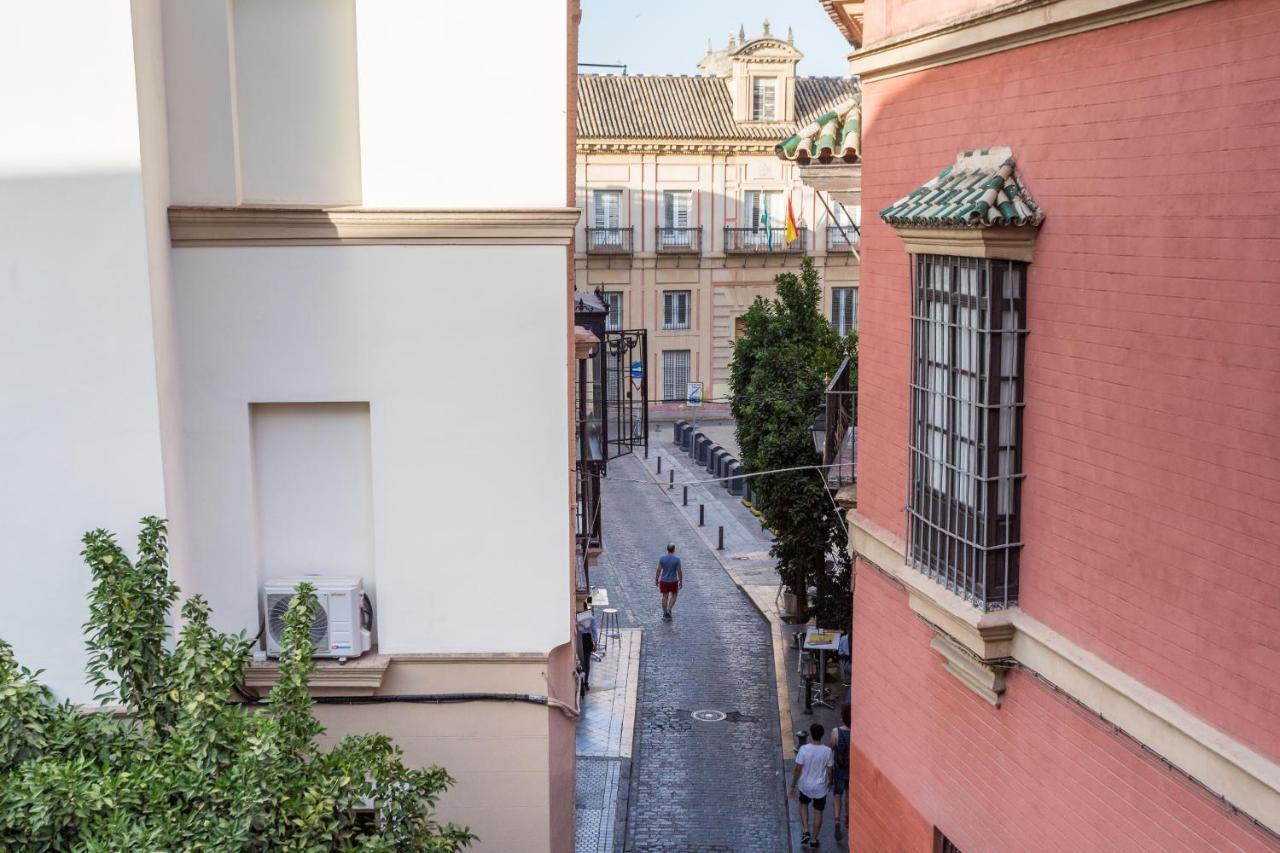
792,233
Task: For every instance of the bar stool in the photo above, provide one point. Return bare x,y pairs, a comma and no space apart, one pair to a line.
608,628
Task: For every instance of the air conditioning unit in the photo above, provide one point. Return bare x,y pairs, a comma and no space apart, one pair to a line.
342,621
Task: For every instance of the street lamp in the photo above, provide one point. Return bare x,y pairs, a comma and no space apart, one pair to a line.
818,431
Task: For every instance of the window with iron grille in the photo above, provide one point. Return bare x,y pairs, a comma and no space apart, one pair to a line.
844,309
764,92
613,301
967,336
675,374
675,309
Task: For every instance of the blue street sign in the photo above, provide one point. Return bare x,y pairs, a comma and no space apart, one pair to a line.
694,397
637,373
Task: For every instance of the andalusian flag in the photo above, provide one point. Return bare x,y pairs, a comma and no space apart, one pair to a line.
792,233
764,222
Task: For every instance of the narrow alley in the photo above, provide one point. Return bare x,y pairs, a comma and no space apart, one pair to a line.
694,785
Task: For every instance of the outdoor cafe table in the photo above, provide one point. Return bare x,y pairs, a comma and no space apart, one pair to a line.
821,640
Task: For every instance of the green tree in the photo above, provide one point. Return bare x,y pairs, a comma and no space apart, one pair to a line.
184,768
781,365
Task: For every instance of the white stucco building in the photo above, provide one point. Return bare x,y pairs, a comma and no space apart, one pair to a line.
241,252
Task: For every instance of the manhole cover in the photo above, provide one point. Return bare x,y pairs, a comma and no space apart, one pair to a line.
709,716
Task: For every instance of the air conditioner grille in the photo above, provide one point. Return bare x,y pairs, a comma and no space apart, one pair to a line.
278,604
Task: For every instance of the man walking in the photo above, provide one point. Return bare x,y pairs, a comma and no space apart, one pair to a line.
669,578
812,777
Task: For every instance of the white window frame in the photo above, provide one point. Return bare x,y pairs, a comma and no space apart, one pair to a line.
675,378
844,310
758,105
613,300
677,310
674,216
600,212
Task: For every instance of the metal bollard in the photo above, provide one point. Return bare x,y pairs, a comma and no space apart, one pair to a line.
659,464
672,484
702,515
685,500
720,547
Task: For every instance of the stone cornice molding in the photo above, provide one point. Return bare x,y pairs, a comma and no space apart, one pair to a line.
778,51
998,28
1013,243
976,644
676,146
288,226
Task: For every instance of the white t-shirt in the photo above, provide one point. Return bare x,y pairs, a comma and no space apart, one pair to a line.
814,759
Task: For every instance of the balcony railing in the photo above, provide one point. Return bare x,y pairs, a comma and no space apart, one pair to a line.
843,238
763,241
840,427
679,241
608,241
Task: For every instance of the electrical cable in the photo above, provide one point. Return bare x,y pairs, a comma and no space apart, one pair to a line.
426,699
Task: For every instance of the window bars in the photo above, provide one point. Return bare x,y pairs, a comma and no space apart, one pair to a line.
968,324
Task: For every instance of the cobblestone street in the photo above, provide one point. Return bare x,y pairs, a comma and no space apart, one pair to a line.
695,786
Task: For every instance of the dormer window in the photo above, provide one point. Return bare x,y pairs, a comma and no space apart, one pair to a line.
764,98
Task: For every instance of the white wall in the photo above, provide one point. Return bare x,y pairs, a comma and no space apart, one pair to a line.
204,164
295,72
462,105
459,353
79,431
313,490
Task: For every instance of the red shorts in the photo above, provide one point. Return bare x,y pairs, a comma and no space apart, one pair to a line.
665,587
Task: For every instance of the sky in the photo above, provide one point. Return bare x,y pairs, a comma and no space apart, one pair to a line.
670,36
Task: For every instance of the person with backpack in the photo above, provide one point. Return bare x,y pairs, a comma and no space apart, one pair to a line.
841,741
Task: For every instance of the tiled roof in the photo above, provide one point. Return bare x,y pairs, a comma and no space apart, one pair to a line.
834,135
981,189
652,107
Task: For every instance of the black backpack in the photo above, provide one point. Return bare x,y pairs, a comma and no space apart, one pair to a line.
842,748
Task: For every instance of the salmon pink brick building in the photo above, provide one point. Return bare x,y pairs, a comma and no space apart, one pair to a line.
1067,608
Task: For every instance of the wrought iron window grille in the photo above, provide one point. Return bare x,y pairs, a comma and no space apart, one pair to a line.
968,327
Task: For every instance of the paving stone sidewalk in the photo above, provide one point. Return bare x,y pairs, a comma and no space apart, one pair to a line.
696,786
604,738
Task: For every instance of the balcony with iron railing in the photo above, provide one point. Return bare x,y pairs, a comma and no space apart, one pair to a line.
843,238
764,241
839,424
609,241
678,241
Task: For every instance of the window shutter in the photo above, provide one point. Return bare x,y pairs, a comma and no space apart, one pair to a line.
607,203
675,374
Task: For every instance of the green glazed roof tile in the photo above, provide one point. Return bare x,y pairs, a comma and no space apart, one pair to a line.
980,190
835,135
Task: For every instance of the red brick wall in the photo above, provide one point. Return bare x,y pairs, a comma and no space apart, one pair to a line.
1036,774
1151,510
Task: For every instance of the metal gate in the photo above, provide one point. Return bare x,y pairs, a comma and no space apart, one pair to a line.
626,366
